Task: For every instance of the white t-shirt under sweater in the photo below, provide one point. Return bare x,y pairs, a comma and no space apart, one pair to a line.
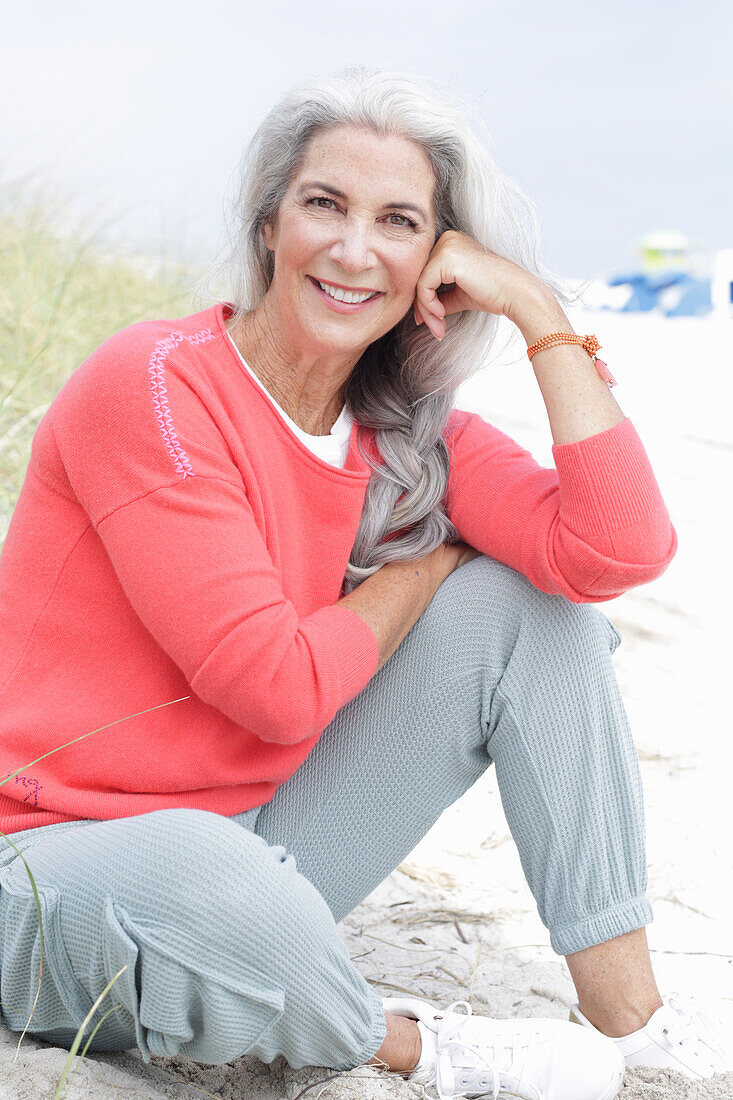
332,448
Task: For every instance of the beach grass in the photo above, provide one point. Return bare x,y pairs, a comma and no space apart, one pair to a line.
58,1094
62,293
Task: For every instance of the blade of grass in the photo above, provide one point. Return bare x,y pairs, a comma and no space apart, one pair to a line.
86,1045
63,293
28,870
40,933
96,1029
85,1021
83,735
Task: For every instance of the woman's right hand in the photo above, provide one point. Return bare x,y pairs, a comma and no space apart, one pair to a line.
465,553
450,556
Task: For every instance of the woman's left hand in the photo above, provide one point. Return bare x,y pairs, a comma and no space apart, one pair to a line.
483,280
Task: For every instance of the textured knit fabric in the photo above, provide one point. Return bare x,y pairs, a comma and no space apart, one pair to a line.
229,933
173,565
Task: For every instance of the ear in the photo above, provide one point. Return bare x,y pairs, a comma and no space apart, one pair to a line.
266,233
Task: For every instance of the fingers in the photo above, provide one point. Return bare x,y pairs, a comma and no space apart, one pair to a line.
429,309
435,324
428,300
454,300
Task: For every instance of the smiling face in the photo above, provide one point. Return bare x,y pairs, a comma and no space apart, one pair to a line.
358,215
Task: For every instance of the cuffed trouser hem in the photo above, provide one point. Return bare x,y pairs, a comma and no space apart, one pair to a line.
602,926
377,1037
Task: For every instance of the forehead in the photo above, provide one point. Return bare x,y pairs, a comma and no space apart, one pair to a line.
361,162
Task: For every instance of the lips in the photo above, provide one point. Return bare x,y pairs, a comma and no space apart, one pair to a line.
342,307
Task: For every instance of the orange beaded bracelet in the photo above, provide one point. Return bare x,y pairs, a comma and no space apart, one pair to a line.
590,343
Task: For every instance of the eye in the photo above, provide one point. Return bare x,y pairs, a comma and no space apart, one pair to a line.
405,222
317,199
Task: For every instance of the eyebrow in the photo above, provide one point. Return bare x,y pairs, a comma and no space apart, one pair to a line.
341,195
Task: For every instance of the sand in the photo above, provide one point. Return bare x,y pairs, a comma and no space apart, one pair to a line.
457,920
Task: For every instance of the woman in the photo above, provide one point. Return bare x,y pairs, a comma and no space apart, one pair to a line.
322,602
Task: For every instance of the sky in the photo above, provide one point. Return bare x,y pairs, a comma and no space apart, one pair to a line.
615,118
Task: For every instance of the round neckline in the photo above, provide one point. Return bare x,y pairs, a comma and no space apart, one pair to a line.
360,469
342,416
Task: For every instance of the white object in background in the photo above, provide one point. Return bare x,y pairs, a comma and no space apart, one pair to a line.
721,288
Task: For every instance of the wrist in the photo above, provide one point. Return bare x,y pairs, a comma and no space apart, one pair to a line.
540,317
441,562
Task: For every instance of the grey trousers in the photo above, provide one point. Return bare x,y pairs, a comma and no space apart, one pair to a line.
228,925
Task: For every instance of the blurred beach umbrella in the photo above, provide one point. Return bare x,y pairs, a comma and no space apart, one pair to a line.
695,298
642,297
653,291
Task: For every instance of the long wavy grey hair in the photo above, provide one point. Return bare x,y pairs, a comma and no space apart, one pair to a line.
404,384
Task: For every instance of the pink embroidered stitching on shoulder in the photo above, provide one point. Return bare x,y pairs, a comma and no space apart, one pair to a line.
28,781
156,371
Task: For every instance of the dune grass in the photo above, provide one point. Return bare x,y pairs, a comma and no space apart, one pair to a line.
58,1094
62,293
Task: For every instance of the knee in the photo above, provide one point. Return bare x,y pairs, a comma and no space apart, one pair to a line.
485,588
206,849
194,846
530,642
571,631
482,599
489,603
221,873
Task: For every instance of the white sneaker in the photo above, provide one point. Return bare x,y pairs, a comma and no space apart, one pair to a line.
530,1059
678,1036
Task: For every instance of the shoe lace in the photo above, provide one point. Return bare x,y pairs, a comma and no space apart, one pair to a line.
511,1044
691,1025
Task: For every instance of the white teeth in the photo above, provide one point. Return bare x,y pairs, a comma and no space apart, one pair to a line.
347,296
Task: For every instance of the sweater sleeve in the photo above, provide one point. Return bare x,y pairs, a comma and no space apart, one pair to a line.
194,567
589,529
175,520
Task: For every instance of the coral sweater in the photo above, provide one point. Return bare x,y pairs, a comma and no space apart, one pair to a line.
173,562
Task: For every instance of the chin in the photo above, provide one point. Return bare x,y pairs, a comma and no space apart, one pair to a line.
344,341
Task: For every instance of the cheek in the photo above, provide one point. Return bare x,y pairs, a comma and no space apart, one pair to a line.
298,246
406,273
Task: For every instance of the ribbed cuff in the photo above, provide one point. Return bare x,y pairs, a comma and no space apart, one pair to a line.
606,481
352,645
600,927
379,1027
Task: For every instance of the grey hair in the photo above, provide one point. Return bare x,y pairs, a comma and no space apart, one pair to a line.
403,386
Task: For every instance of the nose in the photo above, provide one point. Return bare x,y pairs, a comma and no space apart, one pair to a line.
352,247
